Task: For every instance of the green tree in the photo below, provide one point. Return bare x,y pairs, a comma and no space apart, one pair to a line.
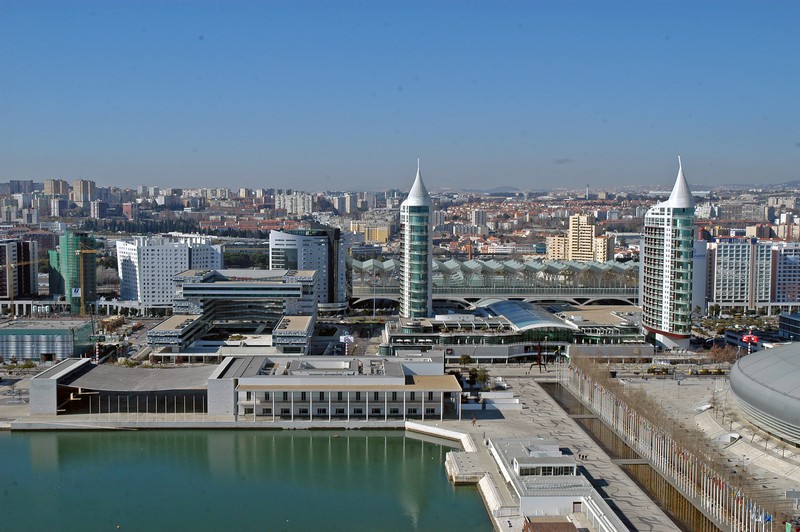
483,378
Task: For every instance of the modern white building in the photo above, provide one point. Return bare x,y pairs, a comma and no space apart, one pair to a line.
324,250
666,267
416,294
147,266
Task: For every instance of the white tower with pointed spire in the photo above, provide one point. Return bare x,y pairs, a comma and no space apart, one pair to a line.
417,251
666,267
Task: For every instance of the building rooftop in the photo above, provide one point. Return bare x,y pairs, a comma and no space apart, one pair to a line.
23,324
177,321
293,324
611,315
121,379
226,275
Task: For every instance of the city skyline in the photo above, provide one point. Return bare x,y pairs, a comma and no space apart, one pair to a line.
344,96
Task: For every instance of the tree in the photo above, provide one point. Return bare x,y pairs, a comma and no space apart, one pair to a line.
473,376
464,360
483,378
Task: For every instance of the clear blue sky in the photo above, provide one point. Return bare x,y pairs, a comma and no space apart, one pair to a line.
346,95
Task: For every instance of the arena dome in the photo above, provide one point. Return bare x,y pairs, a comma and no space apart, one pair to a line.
767,388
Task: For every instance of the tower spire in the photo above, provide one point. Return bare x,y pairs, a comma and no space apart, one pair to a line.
681,196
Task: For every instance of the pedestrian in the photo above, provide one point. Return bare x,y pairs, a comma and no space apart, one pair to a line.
474,421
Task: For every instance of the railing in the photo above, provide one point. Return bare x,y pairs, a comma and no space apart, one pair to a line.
710,491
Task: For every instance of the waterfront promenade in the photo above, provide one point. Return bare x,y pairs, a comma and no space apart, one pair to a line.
539,416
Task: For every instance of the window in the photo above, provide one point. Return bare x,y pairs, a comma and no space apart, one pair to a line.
249,396
358,410
266,396
266,412
412,410
394,396
285,411
358,396
339,396
376,411
304,411
248,411
413,396
340,411
302,396
430,410
430,396
285,396
321,396
322,411
394,411
375,396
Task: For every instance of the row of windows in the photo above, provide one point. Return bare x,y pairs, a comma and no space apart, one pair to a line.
321,396
341,411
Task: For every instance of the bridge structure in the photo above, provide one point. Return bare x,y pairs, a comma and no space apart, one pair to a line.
465,283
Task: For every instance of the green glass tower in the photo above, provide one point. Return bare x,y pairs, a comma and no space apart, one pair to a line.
417,252
75,256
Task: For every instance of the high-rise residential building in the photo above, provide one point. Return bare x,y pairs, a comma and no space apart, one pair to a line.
739,273
73,270
57,207
56,187
18,268
666,267
147,266
478,217
580,242
98,209
323,249
556,246
350,203
786,273
580,237
299,203
83,192
416,298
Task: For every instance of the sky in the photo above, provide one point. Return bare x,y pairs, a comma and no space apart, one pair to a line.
345,95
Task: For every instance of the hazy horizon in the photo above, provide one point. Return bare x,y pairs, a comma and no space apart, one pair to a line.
347,95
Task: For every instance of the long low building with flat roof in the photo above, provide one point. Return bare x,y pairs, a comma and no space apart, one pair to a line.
328,388
44,341
257,388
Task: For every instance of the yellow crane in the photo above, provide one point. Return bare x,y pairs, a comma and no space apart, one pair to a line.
80,252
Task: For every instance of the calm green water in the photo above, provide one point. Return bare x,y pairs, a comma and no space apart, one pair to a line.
229,480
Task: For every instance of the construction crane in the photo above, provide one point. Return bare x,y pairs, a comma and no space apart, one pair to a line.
82,250
10,284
